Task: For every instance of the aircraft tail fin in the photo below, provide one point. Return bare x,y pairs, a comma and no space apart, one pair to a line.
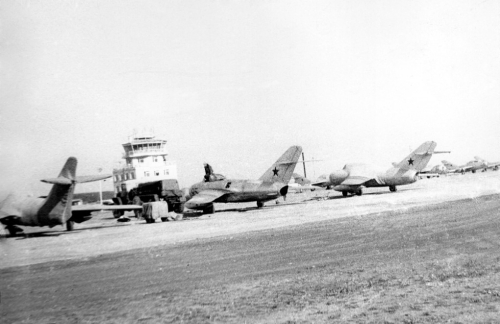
418,159
282,169
59,199
448,165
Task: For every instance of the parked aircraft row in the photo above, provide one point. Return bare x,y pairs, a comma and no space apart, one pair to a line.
472,166
354,178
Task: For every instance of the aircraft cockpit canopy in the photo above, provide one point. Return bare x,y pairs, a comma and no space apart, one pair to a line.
213,177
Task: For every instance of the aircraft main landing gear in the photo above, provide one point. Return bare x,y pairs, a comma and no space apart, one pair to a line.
14,230
70,225
260,204
359,192
344,193
210,209
393,188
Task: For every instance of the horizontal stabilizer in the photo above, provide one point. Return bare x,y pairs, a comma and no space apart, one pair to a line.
83,179
303,161
97,207
58,181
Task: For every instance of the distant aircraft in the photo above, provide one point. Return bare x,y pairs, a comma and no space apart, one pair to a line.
490,165
472,166
300,179
435,171
56,208
215,188
353,178
298,183
454,168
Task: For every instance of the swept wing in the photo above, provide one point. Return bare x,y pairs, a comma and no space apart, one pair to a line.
204,198
93,208
355,180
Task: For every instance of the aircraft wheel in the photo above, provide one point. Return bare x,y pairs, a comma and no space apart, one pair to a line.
138,213
359,192
260,204
179,208
344,193
393,188
118,213
70,225
473,171
13,230
210,209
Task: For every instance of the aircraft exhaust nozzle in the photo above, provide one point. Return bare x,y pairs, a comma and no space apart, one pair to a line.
284,191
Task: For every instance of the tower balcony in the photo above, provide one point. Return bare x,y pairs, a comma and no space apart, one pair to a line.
144,152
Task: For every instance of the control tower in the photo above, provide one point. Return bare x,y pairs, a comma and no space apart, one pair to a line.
145,161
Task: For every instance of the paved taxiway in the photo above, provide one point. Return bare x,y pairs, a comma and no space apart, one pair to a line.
104,235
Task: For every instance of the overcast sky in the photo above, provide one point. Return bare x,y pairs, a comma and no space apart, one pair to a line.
235,83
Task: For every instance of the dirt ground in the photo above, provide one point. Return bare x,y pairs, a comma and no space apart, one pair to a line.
427,254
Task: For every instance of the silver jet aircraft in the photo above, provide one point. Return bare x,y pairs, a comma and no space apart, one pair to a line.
435,171
489,165
454,168
215,188
354,178
472,166
56,208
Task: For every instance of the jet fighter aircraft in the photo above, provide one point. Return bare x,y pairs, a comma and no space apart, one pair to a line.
353,178
435,171
454,168
215,188
490,165
56,208
472,166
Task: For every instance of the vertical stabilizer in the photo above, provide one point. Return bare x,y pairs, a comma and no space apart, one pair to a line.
450,166
418,159
282,169
57,206
69,169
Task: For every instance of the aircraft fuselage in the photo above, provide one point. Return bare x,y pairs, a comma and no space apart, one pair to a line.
31,211
240,190
391,177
